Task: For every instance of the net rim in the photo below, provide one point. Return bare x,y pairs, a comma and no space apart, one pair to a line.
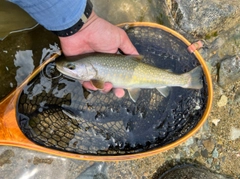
25,143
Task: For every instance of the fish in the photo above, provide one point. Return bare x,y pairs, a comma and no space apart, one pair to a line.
126,71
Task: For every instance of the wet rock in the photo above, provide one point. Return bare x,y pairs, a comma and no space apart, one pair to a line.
204,18
229,71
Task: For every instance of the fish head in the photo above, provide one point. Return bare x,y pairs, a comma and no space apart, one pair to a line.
75,69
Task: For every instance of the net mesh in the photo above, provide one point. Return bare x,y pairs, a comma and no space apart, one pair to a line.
56,112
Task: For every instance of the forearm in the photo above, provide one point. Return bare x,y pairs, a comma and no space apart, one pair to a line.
54,15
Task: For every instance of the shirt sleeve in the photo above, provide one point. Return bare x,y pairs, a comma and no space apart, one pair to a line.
54,15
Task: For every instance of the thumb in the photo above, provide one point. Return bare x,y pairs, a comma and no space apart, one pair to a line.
126,45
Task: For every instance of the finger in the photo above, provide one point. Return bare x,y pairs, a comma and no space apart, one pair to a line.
107,87
119,92
89,85
126,45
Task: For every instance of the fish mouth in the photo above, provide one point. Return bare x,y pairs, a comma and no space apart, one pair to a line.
63,68
59,68
60,65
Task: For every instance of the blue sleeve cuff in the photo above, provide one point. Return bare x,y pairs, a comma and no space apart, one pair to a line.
54,15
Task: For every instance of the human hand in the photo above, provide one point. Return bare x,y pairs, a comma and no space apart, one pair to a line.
98,35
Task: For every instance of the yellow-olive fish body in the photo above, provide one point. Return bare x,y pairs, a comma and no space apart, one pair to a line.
126,72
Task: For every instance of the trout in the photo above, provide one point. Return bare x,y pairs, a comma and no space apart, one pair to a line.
126,71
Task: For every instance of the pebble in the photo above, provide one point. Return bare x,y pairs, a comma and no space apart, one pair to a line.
223,101
190,141
215,121
215,153
234,133
209,144
209,161
204,153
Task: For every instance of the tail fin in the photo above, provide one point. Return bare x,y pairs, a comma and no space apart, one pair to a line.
195,81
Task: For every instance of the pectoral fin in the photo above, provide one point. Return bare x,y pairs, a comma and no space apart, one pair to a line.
139,57
134,93
136,57
98,84
164,91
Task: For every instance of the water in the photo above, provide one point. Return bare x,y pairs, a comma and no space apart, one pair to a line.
55,113
38,38
20,53
16,21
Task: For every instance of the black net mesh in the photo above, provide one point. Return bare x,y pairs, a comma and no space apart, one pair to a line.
56,112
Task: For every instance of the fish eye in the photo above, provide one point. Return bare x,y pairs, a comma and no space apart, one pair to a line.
71,66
